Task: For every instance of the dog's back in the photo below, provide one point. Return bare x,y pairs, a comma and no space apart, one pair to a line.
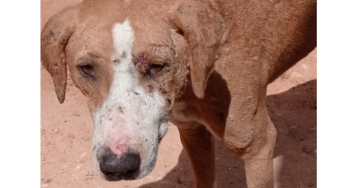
275,34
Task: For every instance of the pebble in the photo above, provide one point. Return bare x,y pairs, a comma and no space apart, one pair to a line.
76,114
78,167
72,136
56,130
82,155
48,180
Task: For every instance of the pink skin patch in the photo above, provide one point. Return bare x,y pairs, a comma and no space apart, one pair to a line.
141,61
142,58
117,139
119,147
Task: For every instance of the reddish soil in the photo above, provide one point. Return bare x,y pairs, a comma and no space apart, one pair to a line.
66,132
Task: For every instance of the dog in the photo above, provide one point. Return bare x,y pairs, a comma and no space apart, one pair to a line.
202,65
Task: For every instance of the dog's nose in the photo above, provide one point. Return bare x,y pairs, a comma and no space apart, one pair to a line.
124,167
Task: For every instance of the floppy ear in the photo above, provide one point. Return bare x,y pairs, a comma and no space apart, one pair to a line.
54,39
203,29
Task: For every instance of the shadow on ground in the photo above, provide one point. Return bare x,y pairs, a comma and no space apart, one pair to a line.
294,114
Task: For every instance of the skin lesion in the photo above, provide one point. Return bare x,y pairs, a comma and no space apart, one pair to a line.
151,65
141,63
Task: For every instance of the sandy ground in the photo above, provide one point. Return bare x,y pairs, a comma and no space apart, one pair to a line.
66,132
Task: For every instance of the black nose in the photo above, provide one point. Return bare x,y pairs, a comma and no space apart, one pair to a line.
125,167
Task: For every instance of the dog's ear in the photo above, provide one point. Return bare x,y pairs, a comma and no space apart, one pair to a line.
203,30
54,39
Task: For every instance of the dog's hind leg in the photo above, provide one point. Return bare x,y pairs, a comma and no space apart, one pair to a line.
199,146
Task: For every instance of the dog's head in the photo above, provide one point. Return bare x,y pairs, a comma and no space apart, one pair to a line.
132,60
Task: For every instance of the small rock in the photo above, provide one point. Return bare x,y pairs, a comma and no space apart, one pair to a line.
82,155
56,130
72,136
48,180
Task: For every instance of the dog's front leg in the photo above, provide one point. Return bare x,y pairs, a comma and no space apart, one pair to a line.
257,152
199,146
258,160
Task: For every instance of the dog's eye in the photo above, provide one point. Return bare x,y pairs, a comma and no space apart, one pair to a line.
156,68
87,70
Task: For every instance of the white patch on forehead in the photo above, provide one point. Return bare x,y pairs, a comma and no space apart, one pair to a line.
143,114
123,40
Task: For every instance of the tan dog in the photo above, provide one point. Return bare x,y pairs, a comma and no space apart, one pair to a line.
203,65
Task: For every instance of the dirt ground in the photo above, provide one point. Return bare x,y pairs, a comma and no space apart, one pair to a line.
66,132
